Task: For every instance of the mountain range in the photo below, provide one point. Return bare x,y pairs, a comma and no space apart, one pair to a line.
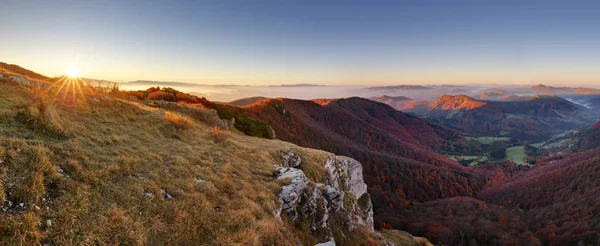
159,166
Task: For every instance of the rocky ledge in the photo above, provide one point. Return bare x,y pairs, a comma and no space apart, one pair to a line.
341,201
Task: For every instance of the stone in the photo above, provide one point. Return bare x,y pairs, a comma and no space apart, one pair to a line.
49,223
21,81
329,243
291,158
316,202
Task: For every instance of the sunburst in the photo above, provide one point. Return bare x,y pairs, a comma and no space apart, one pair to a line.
68,89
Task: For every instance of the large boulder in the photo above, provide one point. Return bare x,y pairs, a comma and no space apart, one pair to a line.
343,195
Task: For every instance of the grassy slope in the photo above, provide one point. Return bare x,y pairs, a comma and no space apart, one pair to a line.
99,173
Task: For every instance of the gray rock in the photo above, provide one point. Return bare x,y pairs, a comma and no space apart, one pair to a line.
291,158
21,81
316,202
329,243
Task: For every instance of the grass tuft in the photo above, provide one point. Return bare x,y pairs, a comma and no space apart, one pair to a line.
43,116
218,135
181,122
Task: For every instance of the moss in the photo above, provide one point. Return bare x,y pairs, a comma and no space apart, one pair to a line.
349,200
364,201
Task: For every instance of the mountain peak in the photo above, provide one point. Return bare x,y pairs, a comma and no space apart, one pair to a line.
596,125
458,102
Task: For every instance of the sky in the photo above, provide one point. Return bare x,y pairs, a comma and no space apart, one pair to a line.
267,42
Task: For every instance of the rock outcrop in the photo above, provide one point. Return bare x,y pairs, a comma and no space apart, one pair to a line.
342,201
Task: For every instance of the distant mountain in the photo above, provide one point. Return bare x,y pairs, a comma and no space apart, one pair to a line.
549,90
162,83
402,103
587,101
296,85
401,87
534,119
246,101
452,103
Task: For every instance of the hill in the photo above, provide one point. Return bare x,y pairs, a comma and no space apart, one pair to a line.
460,102
550,90
559,198
535,119
11,69
106,168
595,125
246,101
398,151
401,87
402,103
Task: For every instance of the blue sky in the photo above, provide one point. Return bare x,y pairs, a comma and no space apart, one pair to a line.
325,42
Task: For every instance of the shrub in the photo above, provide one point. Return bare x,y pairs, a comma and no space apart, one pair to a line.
180,121
218,135
161,95
140,95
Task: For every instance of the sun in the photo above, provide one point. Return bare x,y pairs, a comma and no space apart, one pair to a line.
72,71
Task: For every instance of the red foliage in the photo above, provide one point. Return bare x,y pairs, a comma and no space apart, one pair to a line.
596,125
161,95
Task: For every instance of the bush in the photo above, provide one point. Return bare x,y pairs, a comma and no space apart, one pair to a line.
180,121
161,95
218,135
140,95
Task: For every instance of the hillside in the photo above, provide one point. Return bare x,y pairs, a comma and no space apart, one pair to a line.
246,101
104,168
559,197
401,103
397,150
535,119
460,102
11,69
550,90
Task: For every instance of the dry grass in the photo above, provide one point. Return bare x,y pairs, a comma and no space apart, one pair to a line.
113,166
181,122
119,177
43,116
218,135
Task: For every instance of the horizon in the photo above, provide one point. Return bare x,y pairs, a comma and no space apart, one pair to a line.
333,43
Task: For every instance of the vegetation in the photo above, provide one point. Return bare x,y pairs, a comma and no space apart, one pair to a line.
247,125
516,155
181,122
218,135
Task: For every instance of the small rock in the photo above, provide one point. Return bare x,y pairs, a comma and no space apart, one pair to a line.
166,195
149,194
49,223
291,158
330,243
200,181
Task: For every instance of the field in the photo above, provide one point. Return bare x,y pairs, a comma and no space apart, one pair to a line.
516,155
488,140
